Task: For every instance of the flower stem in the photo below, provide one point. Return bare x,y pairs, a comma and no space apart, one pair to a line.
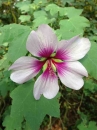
50,123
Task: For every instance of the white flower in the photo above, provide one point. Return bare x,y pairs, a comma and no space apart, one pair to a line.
58,59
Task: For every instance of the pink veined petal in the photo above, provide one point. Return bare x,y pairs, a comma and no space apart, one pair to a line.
46,84
73,49
21,76
43,42
71,73
24,69
25,62
77,67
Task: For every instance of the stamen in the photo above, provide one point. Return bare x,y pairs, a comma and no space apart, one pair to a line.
52,55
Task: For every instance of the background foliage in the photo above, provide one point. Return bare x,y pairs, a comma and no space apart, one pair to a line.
69,110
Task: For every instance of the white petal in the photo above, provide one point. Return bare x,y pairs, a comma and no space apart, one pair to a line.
77,67
24,69
22,76
73,49
43,42
71,73
71,80
24,62
47,85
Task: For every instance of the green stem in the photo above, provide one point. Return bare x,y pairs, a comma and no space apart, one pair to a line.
50,123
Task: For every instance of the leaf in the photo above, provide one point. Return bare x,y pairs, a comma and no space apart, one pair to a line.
66,11
40,20
27,127
16,35
24,106
7,122
18,48
89,87
93,38
67,1
23,6
72,27
67,34
90,61
4,62
3,88
0,6
71,11
53,8
39,13
6,112
40,2
18,45
12,31
24,18
6,85
92,126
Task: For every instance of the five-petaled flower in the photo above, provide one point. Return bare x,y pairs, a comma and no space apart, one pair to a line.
56,59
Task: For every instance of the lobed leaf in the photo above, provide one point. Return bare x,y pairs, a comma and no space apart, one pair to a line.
39,13
23,6
90,61
24,106
72,27
16,35
89,87
91,126
53,8
40,20
24,18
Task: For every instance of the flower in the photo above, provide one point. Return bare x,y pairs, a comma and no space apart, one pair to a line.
57,59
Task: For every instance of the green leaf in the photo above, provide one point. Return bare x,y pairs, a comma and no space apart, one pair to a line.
89,87
3,88
66,11
16,35
67,1
91,126
40,2
67,34
39,13
4,62
24,18
24,106
0,6
27,127
12,31
24,6
90,61
6,85
53,8
71,11
7,122
40,20
93,38
72,27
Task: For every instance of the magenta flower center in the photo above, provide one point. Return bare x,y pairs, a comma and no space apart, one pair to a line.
50,62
